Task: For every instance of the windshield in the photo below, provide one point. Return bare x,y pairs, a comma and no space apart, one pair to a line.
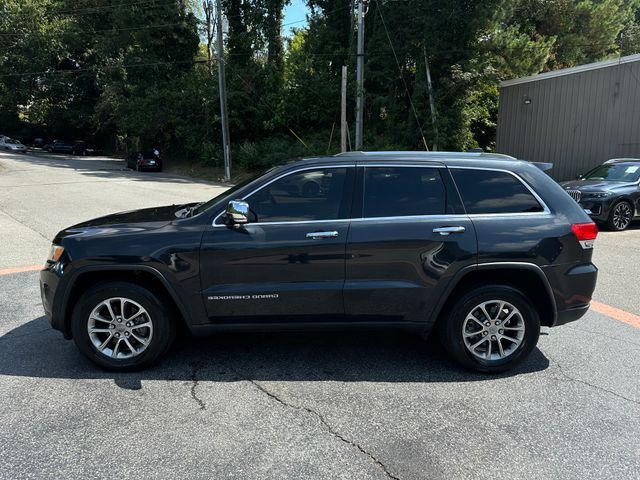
201,208
615,173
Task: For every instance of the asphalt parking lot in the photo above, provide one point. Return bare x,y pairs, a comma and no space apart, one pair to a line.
349,406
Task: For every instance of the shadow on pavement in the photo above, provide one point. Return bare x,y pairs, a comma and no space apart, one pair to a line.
35,350
100,167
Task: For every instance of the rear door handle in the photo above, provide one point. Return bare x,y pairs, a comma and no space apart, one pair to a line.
317,235
449,230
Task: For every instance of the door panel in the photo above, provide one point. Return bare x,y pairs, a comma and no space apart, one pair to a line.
411,238
289,262
397,268
274,270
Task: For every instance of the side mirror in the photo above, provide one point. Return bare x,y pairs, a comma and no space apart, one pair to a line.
580,177
236,213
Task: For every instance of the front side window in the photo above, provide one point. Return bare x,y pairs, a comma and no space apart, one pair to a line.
403,191
488,191
302,196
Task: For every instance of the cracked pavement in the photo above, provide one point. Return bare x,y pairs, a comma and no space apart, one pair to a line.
373,405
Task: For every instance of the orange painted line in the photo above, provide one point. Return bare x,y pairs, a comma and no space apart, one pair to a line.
616,313
30,268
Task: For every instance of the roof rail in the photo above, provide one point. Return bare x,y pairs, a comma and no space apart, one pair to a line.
418,153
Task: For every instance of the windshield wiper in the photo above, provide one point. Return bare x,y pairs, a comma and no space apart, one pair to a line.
191,210
182,211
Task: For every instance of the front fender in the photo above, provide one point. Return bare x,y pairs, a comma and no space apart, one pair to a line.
61,311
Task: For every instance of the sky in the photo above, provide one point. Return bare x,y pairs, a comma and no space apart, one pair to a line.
294,12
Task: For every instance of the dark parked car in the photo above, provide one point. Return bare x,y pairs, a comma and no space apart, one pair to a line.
58,146
62,146
482,248
81,147
145,160
611,192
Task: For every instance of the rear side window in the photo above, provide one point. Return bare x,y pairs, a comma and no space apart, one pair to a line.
403,191
487,191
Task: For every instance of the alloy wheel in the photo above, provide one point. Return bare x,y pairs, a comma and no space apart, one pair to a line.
120,328
493,330
622,215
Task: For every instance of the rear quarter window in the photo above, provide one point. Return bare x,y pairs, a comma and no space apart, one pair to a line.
489,191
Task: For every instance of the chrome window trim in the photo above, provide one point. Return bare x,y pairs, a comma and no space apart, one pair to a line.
413,217
545,208
285,174
448,216
546,211
291,222
402,165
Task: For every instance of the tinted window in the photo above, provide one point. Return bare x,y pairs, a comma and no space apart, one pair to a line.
307,195
485,191
403,191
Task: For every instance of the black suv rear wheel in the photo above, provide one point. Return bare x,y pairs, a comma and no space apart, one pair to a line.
491,329
122,326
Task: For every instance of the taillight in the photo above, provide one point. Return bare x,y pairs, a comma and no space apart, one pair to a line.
586,233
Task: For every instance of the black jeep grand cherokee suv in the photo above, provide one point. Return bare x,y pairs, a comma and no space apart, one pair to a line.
484,248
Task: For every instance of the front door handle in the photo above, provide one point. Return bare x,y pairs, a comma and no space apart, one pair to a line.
317,235
449,230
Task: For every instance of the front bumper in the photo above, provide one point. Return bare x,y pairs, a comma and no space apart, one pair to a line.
599,209
50,291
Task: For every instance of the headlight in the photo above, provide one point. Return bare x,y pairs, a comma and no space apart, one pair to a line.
599,195
55,253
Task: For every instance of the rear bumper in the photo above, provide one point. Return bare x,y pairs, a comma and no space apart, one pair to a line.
572,288
570,315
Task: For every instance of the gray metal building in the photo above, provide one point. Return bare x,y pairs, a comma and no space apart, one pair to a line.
575,118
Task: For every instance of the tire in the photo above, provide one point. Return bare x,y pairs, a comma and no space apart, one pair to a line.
620,216
154,326
515,350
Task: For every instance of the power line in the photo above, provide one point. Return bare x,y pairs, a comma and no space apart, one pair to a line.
99,8
98,67
103,67
109,30
122,29
415,113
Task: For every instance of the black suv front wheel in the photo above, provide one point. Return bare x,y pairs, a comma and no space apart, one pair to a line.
121,326
491,329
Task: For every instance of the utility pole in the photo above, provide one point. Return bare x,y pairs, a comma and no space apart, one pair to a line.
431,101
207,6
223,96
343,111
360,76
